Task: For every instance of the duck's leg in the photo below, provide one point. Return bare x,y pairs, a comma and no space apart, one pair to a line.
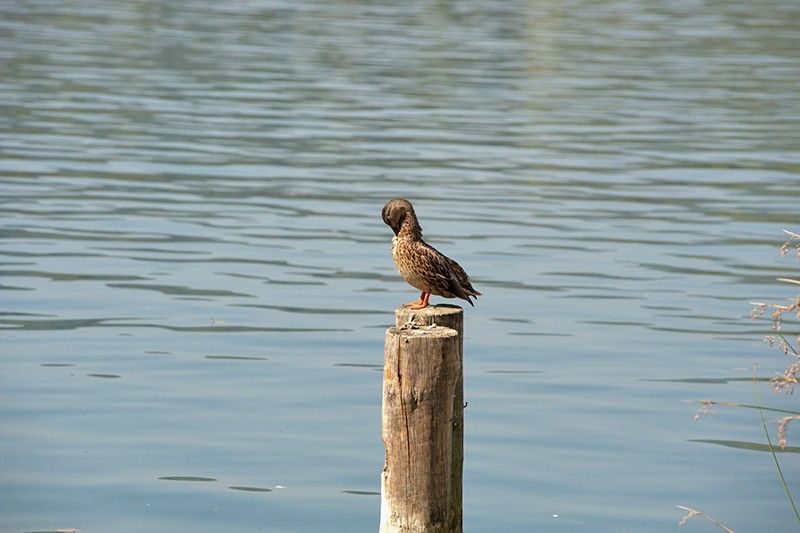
416,303
422,303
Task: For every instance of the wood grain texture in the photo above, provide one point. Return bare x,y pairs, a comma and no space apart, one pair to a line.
449,316
420,491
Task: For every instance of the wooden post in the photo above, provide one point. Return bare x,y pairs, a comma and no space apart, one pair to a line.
422,423
449,316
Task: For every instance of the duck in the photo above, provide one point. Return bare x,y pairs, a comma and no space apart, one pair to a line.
420,264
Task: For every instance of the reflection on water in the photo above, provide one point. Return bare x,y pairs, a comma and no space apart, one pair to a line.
191,199
749,446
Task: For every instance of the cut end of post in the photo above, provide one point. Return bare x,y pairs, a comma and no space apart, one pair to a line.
433,331
450,316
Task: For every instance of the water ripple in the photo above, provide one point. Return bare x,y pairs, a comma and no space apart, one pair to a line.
613,175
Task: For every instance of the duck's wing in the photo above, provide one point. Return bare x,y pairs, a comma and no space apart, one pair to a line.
461,277
447,276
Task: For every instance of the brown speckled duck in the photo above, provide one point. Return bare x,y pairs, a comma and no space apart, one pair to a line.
420,264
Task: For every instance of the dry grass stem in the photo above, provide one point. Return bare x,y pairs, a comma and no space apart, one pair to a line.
786,382
694,513
783,423
705,408
790,243
783,383
758,310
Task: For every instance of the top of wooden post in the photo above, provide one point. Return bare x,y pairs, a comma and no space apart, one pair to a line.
450,316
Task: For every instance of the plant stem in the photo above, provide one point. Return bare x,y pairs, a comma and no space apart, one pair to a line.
771,448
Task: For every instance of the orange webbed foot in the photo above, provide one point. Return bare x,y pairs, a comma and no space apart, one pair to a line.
422,303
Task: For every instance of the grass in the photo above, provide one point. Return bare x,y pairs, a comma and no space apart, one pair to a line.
782,383
694,513
772,451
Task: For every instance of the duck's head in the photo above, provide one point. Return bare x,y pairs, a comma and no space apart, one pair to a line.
395,213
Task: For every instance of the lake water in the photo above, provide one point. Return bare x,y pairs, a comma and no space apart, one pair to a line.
195,279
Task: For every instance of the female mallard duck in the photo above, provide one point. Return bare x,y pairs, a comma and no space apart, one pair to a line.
420,264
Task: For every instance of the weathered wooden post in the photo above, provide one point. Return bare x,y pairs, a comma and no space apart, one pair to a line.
422,422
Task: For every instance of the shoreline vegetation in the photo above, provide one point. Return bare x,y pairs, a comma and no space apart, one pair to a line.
789,344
